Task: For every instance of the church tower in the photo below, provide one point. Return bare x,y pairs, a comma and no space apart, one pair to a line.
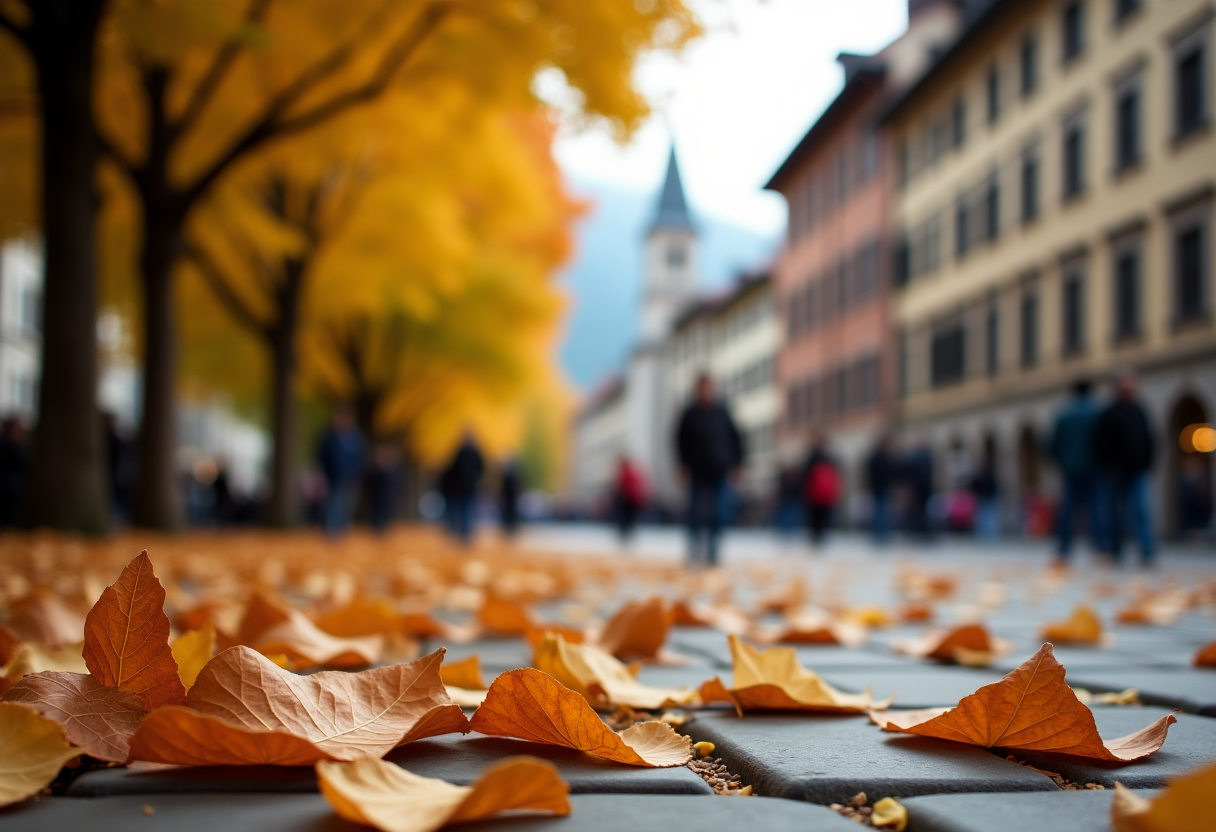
671,267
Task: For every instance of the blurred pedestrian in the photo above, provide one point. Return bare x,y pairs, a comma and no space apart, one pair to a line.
459,484
919,478
789,501
710,451
223,504
1124,448
120,468
14,470
880,480
1072,447
628,498
510,485
340,455
821,490
986,491
383,485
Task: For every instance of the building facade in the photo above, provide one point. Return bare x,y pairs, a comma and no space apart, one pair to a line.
1056,175
837,367
20,329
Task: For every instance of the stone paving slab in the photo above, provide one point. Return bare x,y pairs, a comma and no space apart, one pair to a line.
1190,744
1191,689
311,813
496,654
828,759
1084,658
455,758
931,688
1084,811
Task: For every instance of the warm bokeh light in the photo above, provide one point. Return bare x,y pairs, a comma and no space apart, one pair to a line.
1197,439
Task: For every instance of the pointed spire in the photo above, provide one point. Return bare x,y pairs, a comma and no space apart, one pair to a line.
673,208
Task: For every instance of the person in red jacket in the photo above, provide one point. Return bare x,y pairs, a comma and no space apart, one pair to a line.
821,490
628,497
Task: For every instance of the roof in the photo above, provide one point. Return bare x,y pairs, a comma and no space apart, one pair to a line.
983,16
861,77
604,393
673,207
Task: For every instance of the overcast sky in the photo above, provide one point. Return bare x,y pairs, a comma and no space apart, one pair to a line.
737,101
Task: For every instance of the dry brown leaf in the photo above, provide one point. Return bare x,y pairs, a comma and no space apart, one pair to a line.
871,616
720,617
536,635
41,618
192,651
32,750
915,612
1206,656
261,613
97,718
388,797
813,626
244,709
969,644
1184,804
30,658
306,645
1082,627
530,705
425,625
9,642
774,680
366,616
500,616
465,673
638,630
1031,708
601,678
126,637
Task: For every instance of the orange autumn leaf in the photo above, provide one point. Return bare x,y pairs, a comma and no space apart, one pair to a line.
425,625
261,613
96,718
386,796
1185,803
306,645
601,678
915,611
362,617
503,617
813,627
465,673
774,680
1205,656
243,709
126,637
638,630
530,705
968,644
1082,627
41,618
571,635
1031,708
8,644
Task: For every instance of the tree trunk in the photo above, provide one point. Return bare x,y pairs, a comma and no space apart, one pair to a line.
66,481
283,506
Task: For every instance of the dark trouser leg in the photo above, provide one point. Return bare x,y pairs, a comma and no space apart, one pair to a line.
695,520
716,500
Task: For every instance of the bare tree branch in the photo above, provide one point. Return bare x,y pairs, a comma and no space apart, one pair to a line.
214,277
224,58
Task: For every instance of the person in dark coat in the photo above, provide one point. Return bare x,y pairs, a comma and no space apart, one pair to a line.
710,450
383,485
880,480
918,476
14,470
459,483
1123,447
340,455
821,490
510,485
1072,447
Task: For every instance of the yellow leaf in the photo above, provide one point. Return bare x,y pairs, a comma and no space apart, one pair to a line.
192,651
889,813
29,658
601,678
1082,627
388,797
32,750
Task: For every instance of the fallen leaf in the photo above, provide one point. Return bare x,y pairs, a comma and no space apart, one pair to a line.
362,617
871,616
126,637
889,813
530,705
425,625
261,613
244,709
43,619
969,644
30,658
813,626
601,678
1129,697
307,645
500,616
466,697
8,644
1082,627
1206,656
192,651
638,630
388,797
1185,803
465,673
95,717
1031,708
915,612
32,750
724,618
536,635
774,680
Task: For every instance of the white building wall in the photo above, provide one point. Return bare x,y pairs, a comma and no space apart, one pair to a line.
20,328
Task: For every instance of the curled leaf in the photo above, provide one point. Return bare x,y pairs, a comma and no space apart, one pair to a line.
1184,804
32,750
638,630
1082,627
243,709
41,618
602,679
774,680
388,797
970,644
530,705
307,645
1030,708
465,673
96,718
192,651
889,813
126,637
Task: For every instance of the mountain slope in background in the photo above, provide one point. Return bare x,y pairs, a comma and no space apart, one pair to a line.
604,280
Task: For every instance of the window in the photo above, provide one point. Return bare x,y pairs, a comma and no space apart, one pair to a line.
867,162
992,342
947,355
1127,126
1127,293
1073,312
1125,9
865,270
959,118
960,229
1190,83
937,141
992,209
902,265
1074,159
1030,329
1029,59
1190,269
1073,36
994,94
1030,186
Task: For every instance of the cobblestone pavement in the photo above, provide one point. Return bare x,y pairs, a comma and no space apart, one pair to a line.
797,764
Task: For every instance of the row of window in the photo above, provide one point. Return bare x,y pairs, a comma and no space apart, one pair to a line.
829,188
848,388
1190,265
752,377
692,342
853,280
